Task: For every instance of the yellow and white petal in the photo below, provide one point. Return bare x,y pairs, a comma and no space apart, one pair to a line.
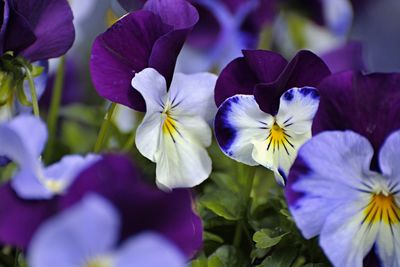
388,244
193,94
182,160
239,124
153,87
297,109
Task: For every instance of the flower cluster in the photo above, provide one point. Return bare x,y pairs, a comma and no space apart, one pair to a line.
214,150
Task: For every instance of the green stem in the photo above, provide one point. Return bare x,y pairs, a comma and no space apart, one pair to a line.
103,133
130,142
35,103
54,107
237,238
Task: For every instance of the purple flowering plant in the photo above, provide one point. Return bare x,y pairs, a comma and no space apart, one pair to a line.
190,135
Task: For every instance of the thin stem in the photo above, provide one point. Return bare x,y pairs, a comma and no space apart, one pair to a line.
103,133
130,142
32,88
54,107
237,238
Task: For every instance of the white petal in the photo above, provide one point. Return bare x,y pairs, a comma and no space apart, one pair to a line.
152,86
193,94
388,244
148,135
345,239
240,123
182,160
297,109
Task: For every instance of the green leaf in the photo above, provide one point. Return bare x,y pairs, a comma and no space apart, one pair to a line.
224,203
212,237
265,239
226,256
200,262
280,258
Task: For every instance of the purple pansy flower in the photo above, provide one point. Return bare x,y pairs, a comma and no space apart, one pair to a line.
266,107
141,206
152,37
87,235
36,29
345,183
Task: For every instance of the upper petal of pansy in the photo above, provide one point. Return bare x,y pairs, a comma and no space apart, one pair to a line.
305,69
193,95
5,17
239,121
170,214
388,160
22,140
242,74
366,104
51,23
120,52
148,38
77,235
346,57
150,250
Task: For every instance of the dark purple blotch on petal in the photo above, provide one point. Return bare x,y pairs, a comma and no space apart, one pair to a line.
366,104
152,37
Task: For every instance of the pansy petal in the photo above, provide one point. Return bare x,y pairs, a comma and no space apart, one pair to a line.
153,88
32,131
28,186
150,250
51,21
147,137
327,173
389,156
346,57
388,244
239,122
348,101
182,161
120,52
297,110
170,214
88,229
305,69
193,94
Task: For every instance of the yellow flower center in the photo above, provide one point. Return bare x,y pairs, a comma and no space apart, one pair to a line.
169,125
99,262
382,208
278,138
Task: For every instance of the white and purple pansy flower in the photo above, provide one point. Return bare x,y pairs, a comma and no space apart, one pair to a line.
91,231
268,109
22,140
175,130
345,183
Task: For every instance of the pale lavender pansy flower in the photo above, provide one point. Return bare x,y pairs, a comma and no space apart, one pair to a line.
332,192
22,140
175,132
88,235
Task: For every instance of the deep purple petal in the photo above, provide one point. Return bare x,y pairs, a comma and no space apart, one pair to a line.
142,206
347,57
20,218
366,104
236,78
182,16
5,15
120,52
305,69
51,23
17,33
130,5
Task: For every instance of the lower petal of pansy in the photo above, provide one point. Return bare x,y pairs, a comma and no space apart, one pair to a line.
388,244
182,160
238,124
148,135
